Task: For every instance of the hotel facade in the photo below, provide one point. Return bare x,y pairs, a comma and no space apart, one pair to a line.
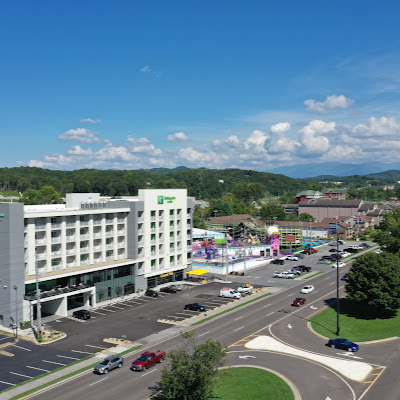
90,250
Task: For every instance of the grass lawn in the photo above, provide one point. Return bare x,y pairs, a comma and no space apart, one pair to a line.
353,326
245,383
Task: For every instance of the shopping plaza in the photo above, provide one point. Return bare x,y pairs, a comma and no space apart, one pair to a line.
89,250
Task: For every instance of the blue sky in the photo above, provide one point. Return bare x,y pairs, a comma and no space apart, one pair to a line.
217,84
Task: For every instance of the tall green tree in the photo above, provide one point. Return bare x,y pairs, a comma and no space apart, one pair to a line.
374,284
269,211
46,195
306,217
388,234
190,373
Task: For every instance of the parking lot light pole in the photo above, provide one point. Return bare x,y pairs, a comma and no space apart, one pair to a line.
337,285
15,287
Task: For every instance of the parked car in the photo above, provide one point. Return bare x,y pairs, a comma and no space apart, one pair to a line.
378,251
278,261
304,268
307,289
292,258
298,301
336,256
151,293
177,286
299,255
334,243
284,274
345,277
247,288
340,265
81,314
343,344
324,261
168,289
327,257
344,254
229,293
352,250
108,364
296,271
333,250
147,360
195,307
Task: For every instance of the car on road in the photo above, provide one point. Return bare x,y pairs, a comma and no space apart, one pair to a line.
278,261
298,301
151,293
108,364
343,344
147,360
340,265
81,314
345,277
307,289
283,274
168,289
324,261
292,258
195,307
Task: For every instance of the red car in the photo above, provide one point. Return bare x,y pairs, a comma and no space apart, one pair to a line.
298,301
314,250
147,360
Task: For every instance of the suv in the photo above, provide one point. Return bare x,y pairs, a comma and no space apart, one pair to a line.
195,307
278,261
168,289
151,293
109,364
343,344
81,314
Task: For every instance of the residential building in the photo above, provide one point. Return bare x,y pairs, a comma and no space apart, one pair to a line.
338,194
307,195
329,208
227,224
388,187
90,249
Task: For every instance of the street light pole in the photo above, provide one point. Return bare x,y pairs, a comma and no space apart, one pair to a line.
15,287
38,306
337,284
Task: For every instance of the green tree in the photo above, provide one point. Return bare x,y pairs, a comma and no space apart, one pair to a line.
190,373
269,211
374,284
198,218
46,195
388,234
306,217
219,208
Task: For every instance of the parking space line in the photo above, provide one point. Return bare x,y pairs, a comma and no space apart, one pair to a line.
183,313
98,381
129,305
23,348
97,347
154,370
106,309
78,351
112,305
174,316
39,369
53,362
25,376
97,312
290,295
7,337
6,383
72,358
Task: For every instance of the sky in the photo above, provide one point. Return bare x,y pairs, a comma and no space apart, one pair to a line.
215,84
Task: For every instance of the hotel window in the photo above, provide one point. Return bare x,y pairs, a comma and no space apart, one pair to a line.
153,236
171,246
172,259
153,263
171,212
152,213
171,235
153,225
160,213
171,224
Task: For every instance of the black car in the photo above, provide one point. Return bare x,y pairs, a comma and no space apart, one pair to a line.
277,261
168,289
345,277
81,314
195,307
151,293
351,250
303,268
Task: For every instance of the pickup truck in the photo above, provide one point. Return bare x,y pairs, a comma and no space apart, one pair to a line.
284,274
247,288
147,360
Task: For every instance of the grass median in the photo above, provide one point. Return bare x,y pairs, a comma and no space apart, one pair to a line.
353,326
244,383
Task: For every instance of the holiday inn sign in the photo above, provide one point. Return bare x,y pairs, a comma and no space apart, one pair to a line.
165,199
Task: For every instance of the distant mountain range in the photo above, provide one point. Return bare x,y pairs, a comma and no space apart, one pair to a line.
331,169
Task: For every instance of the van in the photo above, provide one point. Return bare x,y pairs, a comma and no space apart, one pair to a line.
229,292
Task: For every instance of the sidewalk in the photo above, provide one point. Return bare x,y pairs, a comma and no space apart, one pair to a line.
147,341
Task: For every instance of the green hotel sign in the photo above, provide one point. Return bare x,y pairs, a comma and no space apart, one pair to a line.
165,199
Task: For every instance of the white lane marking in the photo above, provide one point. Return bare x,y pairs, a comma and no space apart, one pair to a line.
96,347
53,362
23,348
39,369
129,305
6,383
238,318
72,358
315,291
269,314
327,279
119,308
256,277
78,351
149,372
5,338
333,283
174,316
239,328
25,376
267,305
135,302
205,333
106,309
97,312
290,295
98,381
183,313
289,326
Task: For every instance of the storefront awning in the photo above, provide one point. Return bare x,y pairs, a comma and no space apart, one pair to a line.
197,272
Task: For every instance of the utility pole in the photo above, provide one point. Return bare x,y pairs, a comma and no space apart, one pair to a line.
15,287
38,307
337,284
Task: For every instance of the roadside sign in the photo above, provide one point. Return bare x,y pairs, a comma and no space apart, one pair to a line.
332,226
290,238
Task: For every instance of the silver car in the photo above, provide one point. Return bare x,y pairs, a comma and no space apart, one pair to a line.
108,364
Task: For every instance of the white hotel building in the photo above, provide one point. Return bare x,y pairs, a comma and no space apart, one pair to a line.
89,250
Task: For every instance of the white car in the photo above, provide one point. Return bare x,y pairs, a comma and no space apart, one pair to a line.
307,289
284,274
344,254
292,258
341,264
246,288
378,251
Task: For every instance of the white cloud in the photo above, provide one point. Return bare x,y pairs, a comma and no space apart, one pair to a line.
378,127
281,127
146,68
91,120
140,145
114,153
331,104
82,135
312,136
233,141
79,151
256,141
196,156
36,163
178,137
